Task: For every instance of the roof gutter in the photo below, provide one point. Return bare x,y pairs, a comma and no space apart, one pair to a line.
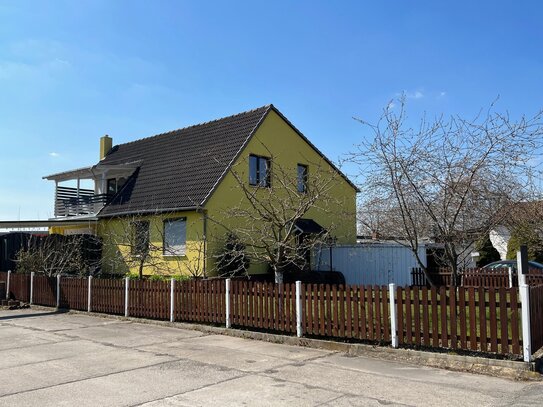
150,211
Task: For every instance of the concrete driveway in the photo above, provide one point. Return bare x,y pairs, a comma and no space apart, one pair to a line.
53,359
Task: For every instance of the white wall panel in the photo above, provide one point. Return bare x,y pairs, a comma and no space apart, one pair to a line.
370,263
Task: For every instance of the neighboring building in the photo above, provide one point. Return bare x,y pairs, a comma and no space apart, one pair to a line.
499,237
528,214
371,261
164,189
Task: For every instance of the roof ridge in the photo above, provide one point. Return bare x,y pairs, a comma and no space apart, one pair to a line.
265,107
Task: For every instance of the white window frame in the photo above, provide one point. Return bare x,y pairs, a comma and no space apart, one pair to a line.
172,251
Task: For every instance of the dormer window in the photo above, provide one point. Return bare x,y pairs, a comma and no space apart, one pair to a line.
114,185
259,171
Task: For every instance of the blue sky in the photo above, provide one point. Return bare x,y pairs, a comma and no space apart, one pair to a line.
71,71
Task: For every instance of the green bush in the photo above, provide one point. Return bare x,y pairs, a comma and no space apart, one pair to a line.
525,235
159,277
232,260
487,252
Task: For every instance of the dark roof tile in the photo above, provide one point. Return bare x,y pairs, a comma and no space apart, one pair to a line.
180,168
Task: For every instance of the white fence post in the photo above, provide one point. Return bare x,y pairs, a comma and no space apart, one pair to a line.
126,284
89,294
299,332
524,293
31,288
7,285
172,298
393,316
58,290
227,303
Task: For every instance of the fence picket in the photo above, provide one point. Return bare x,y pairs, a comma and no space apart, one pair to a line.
493,321
504,336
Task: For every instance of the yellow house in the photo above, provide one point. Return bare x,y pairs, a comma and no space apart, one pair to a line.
166,204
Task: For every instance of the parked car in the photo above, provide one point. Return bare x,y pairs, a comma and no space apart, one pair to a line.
504,264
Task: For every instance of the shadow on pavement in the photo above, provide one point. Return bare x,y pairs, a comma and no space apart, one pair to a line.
36,314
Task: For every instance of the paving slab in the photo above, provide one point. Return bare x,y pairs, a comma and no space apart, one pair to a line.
263,391
55,359
399,386
133,387
135,336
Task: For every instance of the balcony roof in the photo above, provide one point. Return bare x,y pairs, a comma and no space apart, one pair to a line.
71,221
93,171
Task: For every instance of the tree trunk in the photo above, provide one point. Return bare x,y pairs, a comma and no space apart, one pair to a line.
278,276
427,275
140,271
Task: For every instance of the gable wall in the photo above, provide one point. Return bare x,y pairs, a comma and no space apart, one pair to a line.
288,149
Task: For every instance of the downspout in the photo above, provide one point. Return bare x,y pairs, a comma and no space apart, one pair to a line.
204,238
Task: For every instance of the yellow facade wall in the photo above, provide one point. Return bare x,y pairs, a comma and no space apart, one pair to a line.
116,234
84,228
275,138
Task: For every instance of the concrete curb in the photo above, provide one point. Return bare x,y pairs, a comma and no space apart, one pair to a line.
517,370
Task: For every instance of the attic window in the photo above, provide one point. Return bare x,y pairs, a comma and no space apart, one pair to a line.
259,171
302,178
175,237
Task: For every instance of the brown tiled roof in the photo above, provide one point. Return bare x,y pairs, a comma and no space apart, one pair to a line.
179,169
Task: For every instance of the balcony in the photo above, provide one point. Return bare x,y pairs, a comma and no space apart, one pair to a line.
76,202
78,199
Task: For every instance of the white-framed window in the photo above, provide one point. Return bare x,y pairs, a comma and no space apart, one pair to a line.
259,171
175,237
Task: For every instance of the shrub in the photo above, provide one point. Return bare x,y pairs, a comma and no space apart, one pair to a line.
525,235
487,252
232,261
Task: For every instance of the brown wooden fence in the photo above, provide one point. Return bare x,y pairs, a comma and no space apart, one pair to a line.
474,277
148,299
263,306
468,318
200,301
486,278
534,278
73,293
20,287
45,291
536,317
354,312
107,296
475,319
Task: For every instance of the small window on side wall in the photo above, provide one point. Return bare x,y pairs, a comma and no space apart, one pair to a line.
302,178
175,237
259,171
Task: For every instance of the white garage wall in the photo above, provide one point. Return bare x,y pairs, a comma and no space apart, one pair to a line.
364,264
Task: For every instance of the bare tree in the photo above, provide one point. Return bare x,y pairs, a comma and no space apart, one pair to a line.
448,180
57,254
266,219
